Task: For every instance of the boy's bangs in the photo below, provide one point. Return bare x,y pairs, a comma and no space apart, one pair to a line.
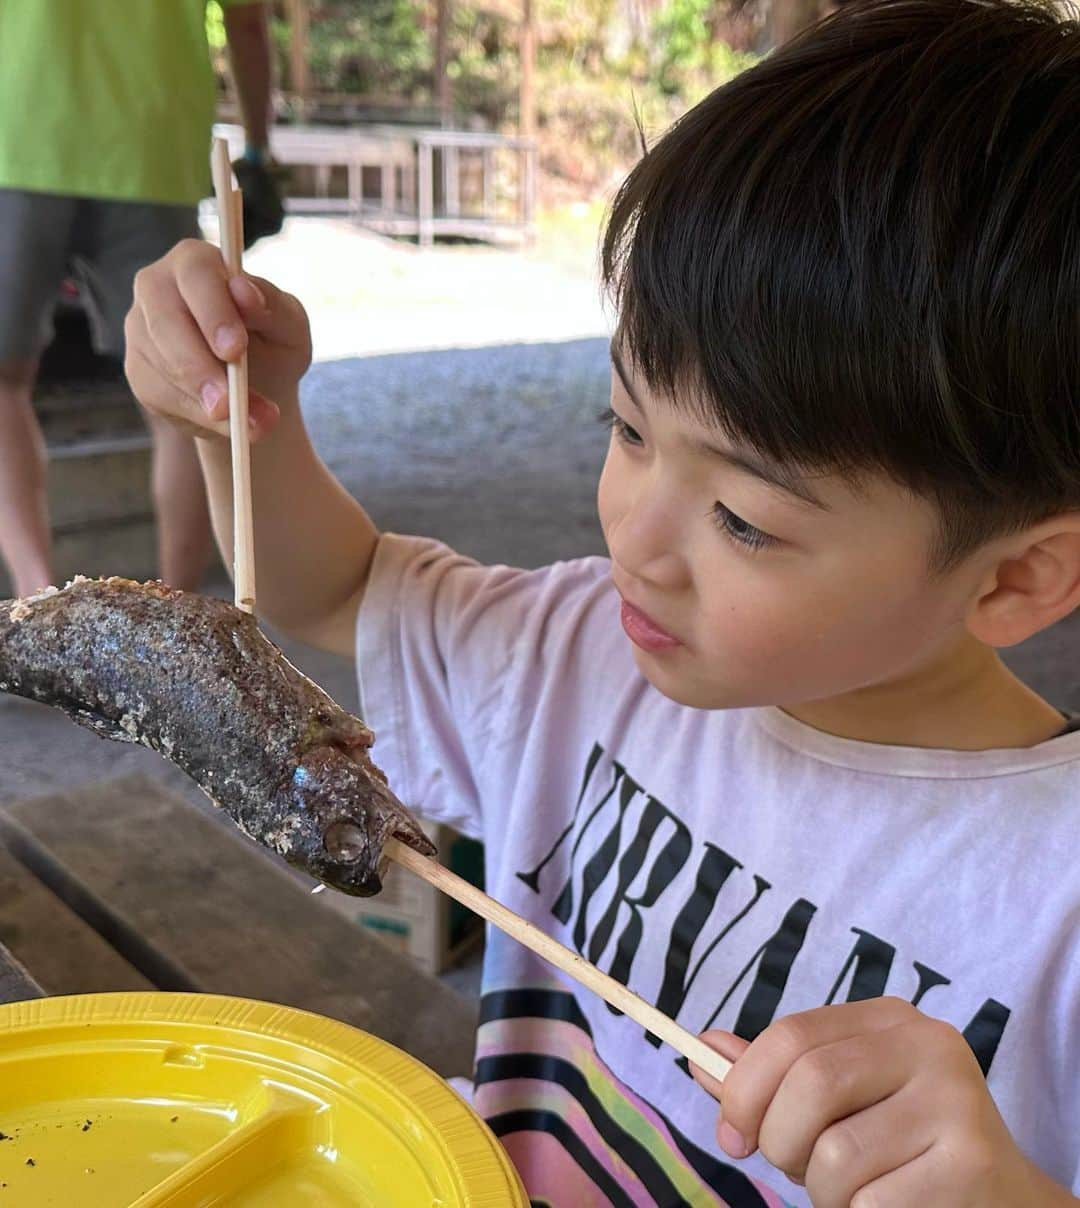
863,253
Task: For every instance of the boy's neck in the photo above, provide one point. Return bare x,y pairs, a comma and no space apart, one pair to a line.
966,700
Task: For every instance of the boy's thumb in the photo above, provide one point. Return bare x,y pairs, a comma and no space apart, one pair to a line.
270,311
247,295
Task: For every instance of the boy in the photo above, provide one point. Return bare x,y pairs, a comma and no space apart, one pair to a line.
804,806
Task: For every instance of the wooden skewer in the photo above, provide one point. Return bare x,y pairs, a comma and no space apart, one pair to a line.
231,226
690,1046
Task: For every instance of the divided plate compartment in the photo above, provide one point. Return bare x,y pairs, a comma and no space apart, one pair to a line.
154,1100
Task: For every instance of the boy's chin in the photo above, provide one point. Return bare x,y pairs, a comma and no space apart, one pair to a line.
681,685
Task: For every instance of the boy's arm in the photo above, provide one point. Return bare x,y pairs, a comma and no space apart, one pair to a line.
314,543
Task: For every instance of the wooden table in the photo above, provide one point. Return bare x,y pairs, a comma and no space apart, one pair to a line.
15,983
121,885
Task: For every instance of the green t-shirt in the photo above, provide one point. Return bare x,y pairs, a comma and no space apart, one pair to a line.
106,98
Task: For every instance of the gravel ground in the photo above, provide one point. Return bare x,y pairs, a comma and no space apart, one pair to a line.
495,450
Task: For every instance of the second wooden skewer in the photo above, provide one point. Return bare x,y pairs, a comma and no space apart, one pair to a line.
231,227
692,1047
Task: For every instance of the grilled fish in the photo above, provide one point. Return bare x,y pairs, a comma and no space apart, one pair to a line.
196,680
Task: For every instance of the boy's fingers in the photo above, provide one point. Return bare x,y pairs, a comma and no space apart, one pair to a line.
247,295
162,397
202,282
753,1082
828,1085
858,1151
920,1181
174,344
728,1045
271,312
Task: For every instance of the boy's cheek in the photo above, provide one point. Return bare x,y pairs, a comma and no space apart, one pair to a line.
757,649
793,643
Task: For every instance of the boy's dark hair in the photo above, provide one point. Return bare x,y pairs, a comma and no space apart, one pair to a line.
864,254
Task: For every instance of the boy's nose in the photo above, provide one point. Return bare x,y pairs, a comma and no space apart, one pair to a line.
642,543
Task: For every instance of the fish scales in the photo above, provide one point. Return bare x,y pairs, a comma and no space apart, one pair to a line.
195,679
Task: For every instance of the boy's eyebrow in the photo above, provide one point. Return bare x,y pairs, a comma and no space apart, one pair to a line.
744,460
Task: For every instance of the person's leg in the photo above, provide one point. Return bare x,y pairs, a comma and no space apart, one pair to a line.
25,541
34,233
120,238
183,515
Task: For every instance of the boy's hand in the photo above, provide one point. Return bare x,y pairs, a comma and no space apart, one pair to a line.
188,317
873,1105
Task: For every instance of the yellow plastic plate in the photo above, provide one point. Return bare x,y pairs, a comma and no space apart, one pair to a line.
190,1100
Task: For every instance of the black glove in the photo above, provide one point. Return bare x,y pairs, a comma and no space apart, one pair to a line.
264,211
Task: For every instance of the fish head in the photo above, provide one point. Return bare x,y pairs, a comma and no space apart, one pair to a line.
342,812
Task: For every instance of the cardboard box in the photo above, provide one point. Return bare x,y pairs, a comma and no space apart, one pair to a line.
415,918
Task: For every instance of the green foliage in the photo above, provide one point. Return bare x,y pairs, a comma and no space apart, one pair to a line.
483,62
601,65
215,26
377,47
687,53
617,87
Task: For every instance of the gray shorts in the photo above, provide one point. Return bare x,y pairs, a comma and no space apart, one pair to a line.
101,244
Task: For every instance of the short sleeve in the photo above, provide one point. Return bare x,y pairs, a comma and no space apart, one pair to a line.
447,650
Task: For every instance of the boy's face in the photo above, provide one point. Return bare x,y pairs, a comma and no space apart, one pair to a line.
740,591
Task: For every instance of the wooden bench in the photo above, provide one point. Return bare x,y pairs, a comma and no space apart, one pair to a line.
405,158
119,885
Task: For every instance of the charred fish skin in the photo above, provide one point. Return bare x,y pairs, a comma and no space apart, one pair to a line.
196,680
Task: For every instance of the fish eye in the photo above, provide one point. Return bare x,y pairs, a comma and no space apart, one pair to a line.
345,841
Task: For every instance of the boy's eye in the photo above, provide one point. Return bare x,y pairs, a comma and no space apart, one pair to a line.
734,526
740,530
620,427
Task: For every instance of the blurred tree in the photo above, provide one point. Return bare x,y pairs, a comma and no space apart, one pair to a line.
601,65
788,17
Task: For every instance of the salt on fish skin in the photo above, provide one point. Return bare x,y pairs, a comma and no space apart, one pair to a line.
195,679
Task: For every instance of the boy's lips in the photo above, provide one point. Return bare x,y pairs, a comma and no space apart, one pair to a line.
643,631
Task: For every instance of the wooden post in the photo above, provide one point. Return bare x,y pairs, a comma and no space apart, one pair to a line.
299,78
489,183
528,192
425,215
527,92
388,183
451,181
443,94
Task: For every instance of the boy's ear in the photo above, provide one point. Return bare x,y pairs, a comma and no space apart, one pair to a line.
1035,582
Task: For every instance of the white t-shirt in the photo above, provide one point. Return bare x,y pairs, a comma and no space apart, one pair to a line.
730,866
